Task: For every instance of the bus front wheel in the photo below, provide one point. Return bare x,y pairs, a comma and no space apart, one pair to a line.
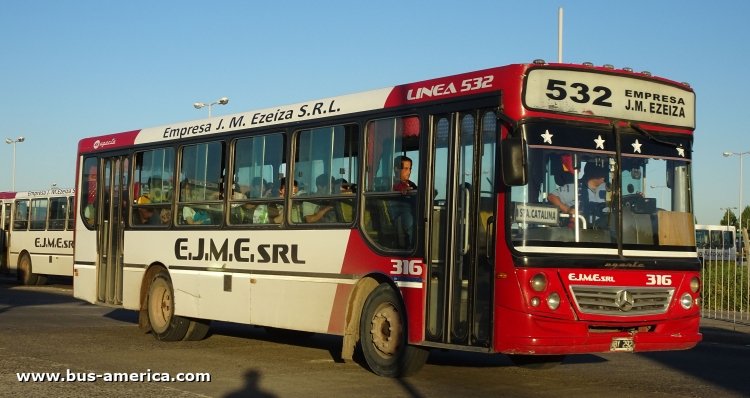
383,336
25,274
165,325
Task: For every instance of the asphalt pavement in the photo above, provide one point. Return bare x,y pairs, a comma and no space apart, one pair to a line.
734,331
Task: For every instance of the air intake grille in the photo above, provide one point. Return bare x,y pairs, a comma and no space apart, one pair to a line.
623,301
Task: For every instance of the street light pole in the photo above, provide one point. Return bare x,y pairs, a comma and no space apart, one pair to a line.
14,142
220,101
739,210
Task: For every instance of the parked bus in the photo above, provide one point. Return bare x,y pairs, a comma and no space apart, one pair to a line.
409,218
37,234
716,242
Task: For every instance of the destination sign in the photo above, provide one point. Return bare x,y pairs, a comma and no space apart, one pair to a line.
607,95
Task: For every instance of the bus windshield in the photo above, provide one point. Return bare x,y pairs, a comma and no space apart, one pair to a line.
580,193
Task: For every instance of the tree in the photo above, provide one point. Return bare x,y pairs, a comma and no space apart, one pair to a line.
733,218
745,216
730,217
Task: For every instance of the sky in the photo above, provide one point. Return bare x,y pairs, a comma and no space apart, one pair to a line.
75,69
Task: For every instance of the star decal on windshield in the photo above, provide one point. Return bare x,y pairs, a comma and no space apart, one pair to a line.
547,137
599,142
636,146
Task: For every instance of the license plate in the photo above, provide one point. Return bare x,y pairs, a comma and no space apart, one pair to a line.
622,344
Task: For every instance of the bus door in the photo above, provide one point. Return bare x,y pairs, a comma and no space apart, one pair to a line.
460,232
110,226
5,212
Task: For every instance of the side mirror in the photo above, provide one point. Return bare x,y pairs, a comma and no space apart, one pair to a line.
514,161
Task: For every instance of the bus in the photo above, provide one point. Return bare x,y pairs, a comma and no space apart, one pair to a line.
716,242
37,234
410,218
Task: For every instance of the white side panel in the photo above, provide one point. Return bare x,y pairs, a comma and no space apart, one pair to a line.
266,271
84,283
84,277
186,293
292,303
85,245
131,288
216,303
319,251
51,252
52,264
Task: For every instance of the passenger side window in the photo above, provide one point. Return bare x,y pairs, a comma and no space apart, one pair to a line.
201,184
38,214
153,187
391,182
326,169
21,215
256,177
71,213
57,212
89,194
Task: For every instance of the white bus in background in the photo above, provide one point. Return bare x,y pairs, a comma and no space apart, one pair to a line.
715,242
37,234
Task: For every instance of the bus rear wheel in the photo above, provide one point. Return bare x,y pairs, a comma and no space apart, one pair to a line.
197,330
25,274
165,325
383,336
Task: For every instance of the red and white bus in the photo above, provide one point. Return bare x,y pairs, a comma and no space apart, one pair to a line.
37,234
302,217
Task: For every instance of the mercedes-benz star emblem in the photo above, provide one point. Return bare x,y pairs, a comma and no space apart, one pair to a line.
624,300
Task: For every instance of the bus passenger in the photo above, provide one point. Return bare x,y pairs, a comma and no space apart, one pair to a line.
277,215
145,214
246,213
165,216
315,212
402,209
195,217
342,186
402,170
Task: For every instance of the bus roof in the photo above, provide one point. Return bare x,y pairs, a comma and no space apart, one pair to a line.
510,77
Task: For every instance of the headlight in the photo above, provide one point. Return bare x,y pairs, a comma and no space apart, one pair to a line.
553,301
535,301
686,301
538,282
695,284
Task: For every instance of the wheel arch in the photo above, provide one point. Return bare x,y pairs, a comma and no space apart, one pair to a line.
361,291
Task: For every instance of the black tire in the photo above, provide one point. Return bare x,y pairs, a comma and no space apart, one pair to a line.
25,274
165,325
537,362
198,329
383,336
